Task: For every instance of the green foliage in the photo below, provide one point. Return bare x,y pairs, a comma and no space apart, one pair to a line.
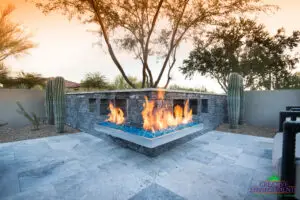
177,87
59,103
285,80
120,83
293,82
35,121
245,47
5,79
49,102
95,81
3,72
21,86
23,81
9,82
234,99
30,80
150,28
38,87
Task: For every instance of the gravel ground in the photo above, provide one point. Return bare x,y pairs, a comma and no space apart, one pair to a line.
10,134
249,130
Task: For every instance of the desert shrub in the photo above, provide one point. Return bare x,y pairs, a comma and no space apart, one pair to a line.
32,117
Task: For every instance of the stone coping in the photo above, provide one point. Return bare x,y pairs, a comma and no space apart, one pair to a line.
140,90
149,142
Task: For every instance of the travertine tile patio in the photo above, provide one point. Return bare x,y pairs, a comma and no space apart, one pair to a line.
216,165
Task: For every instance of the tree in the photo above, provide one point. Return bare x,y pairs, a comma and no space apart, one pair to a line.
95,80
3,73
149,28
287,81
243,46
120,83
293,82
23,80
29,80
279,60
13,39
5,80
13,42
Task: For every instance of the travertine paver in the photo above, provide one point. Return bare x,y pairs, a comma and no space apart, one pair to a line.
216,165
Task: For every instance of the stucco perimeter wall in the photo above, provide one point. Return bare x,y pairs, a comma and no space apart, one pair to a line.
78,114
32,101
262,107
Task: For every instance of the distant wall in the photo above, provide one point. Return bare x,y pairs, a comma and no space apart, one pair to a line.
262,107
32,101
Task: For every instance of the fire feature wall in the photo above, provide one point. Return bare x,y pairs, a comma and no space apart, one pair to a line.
84,109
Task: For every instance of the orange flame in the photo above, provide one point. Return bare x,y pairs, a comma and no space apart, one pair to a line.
163,117
116,115
160,94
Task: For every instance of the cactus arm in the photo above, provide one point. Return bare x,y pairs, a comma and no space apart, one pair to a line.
233,99
49,102
59,103
242,104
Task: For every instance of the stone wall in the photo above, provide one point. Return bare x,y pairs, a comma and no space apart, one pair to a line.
85,109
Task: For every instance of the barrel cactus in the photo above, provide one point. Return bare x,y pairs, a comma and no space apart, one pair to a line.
59,103
49,102
234,99
242,104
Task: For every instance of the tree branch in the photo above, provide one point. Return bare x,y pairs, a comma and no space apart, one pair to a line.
146,50
170,68
171,45
110,50
221,83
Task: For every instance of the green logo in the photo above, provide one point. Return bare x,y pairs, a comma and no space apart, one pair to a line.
273,186
273,178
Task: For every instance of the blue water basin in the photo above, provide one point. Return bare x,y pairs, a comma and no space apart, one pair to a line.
144,133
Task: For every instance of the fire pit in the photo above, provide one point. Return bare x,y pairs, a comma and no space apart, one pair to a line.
147,120
158,115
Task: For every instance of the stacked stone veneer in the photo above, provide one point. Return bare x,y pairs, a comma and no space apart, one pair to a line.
83,109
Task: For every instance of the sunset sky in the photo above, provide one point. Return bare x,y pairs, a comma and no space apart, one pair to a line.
65,48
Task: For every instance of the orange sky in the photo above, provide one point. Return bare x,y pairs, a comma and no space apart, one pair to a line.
66,48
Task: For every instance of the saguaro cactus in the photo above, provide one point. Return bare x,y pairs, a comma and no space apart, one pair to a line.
49,102
234,99
242,104
59,103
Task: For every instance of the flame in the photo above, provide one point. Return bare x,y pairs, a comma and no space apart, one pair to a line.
160,94
116,114
187,113
157,115
158,118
